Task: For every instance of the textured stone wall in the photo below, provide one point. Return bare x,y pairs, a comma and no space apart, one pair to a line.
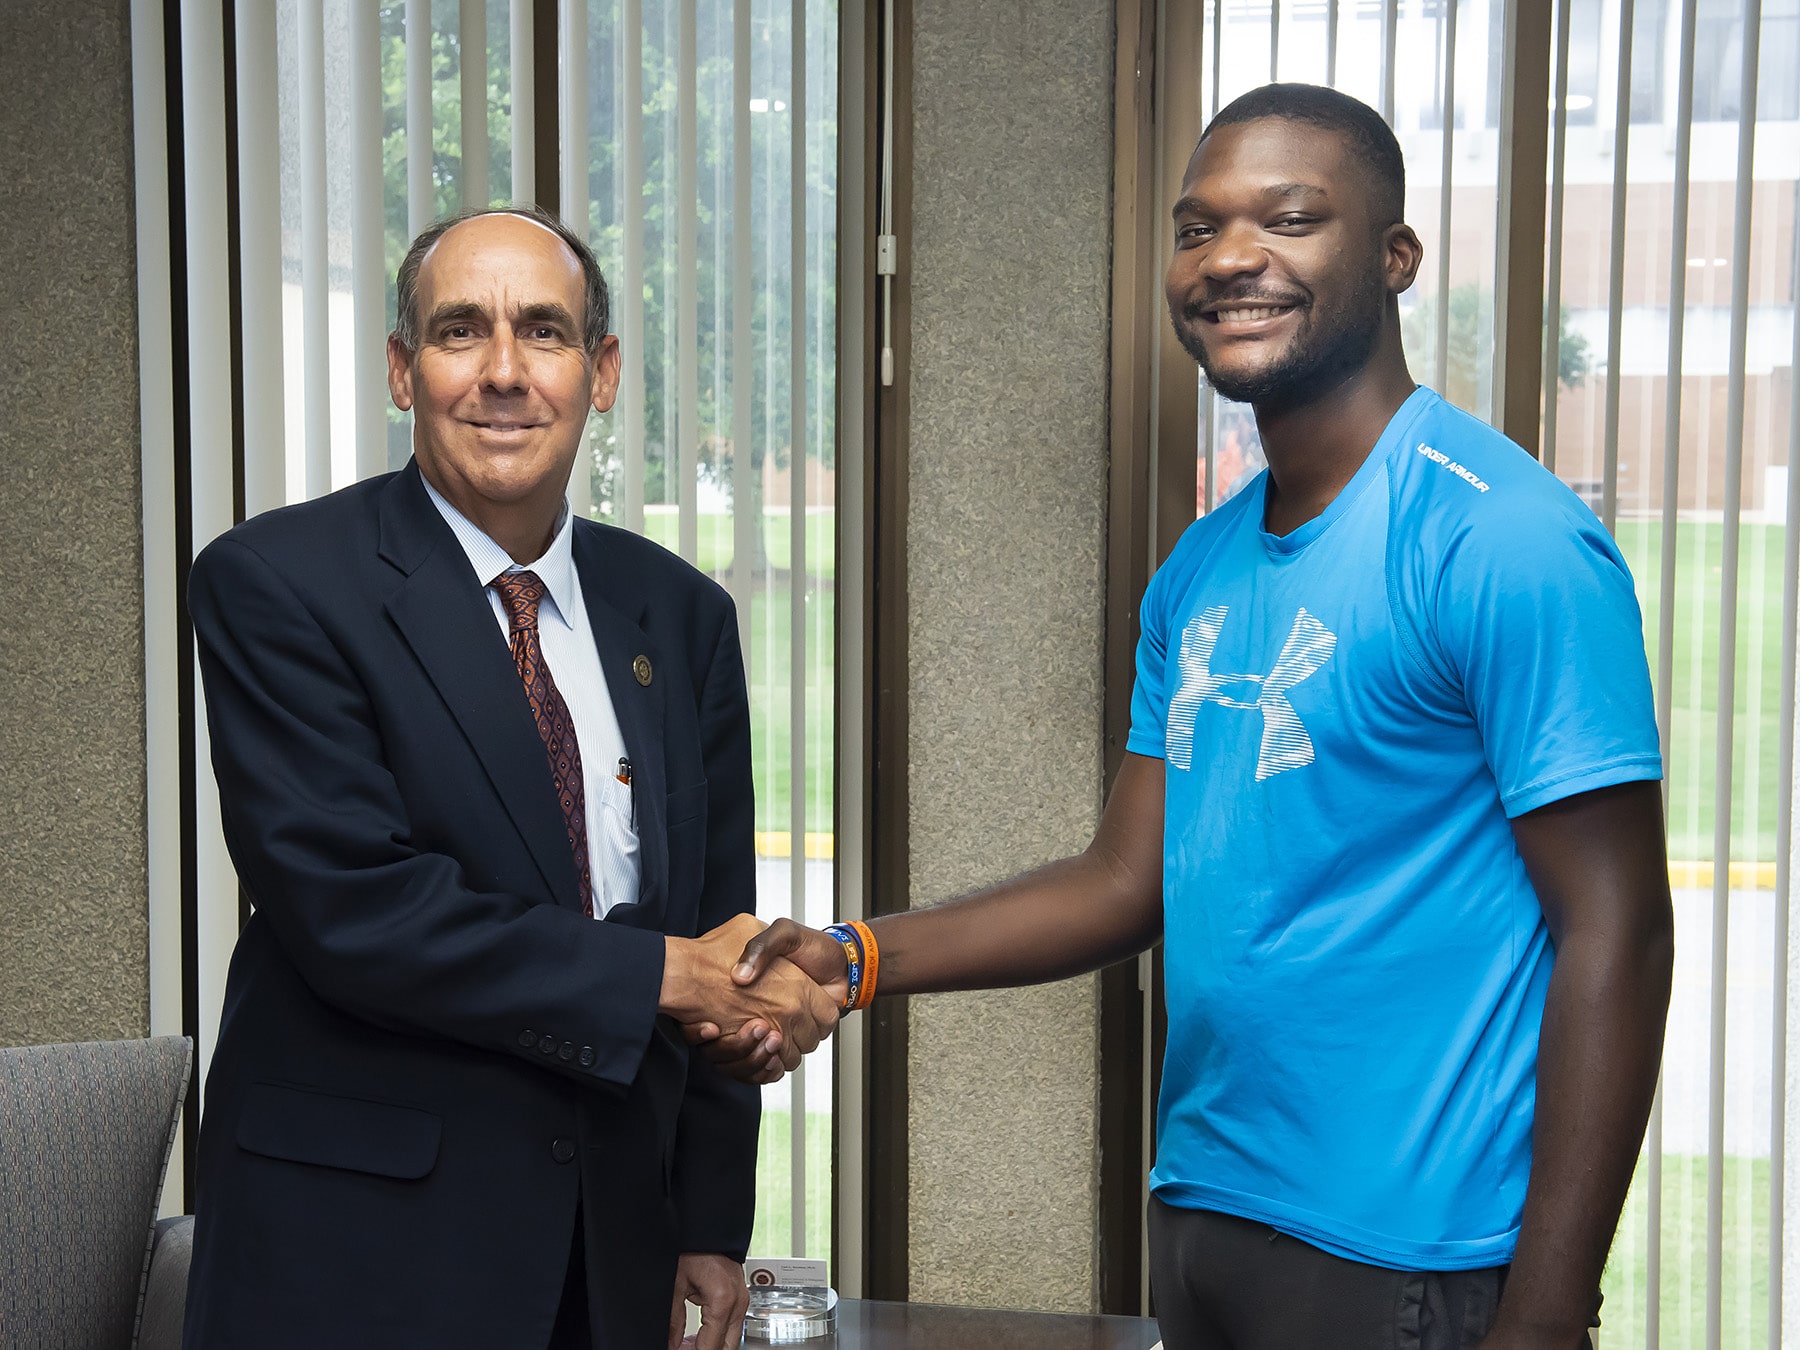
1011,181
73,887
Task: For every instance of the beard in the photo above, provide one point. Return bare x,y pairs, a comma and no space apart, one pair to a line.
1317,360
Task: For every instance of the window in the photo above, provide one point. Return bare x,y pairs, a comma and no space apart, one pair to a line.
695,144
1676,296
1670,370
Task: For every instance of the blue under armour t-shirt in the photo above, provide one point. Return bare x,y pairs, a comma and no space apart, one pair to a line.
1350,715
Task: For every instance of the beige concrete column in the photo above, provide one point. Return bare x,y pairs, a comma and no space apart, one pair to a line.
1012,163
73,890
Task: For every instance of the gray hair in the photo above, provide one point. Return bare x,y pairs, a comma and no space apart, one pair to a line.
597,310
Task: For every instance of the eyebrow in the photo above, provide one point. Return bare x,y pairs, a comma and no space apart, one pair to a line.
544,313
464,311
1275,192
460,312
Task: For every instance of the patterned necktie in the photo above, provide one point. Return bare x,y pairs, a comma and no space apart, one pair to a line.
520,592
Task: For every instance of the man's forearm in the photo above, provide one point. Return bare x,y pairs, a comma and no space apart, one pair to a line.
1073,915
1598,1057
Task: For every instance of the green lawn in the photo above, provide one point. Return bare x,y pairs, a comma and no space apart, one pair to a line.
772,1235
768,657
714,540
771,712
1693,722
1682,1302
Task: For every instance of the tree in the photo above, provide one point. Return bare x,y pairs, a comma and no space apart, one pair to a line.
1469,325
771,280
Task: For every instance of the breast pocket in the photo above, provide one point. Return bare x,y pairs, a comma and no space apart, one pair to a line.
620,861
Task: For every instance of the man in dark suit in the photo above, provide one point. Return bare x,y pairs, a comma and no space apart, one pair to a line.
485,771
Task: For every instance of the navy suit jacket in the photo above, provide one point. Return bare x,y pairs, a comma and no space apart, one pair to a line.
427,1051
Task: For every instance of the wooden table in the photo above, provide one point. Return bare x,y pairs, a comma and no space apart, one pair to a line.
863,1325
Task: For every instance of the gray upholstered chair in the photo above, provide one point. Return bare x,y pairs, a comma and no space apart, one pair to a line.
85,1132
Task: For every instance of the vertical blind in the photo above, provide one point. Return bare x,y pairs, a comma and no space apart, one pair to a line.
1676,125
698,154
1671,343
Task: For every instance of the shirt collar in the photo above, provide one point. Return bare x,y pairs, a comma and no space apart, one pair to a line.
556,568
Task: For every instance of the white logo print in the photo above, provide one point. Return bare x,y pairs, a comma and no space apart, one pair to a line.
1468,475
1285,744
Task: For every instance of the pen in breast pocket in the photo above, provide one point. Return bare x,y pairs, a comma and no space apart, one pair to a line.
624,776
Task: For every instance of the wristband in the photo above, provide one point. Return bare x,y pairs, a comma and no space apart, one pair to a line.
853,961
871,965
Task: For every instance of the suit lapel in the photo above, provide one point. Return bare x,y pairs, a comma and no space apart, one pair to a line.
444,615
621,644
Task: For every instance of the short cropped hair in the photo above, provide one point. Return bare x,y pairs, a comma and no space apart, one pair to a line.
1371,137
596,316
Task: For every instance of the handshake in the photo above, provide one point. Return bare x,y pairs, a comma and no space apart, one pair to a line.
759,999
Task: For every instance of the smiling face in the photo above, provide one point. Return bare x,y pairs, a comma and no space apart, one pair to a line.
501,384
1281,280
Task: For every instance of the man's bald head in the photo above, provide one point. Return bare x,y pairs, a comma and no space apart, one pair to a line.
597,316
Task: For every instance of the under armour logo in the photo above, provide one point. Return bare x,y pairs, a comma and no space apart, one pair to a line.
1285,744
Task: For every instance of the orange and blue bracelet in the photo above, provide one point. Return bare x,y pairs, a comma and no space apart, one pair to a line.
862,956
871,964
853,960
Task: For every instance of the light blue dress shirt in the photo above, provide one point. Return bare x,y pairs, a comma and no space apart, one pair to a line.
569,651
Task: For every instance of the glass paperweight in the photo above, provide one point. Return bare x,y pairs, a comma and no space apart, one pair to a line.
785,1315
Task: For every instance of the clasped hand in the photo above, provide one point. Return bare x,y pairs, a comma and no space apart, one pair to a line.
767,964
758,1023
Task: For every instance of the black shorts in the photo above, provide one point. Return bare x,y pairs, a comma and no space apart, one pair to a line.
1225,1283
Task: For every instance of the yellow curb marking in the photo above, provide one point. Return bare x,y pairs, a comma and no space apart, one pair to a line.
1683,874
1743,876
820,844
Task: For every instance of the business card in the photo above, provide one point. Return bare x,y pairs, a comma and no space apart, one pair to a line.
786,1272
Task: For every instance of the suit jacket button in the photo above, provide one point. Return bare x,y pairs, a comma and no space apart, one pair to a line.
547,1044
566,1051
528,1038
563,1150
586,1057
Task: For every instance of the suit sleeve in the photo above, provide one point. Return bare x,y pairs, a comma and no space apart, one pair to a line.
377,927
714,1176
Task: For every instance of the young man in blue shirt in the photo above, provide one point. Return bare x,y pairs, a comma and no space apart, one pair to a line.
1390,800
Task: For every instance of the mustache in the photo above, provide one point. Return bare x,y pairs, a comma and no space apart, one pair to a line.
1228,296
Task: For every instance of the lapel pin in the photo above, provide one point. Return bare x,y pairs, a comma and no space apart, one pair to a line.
641,669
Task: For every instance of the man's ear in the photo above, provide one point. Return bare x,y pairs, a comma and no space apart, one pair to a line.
1401,254
606,374
400,374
